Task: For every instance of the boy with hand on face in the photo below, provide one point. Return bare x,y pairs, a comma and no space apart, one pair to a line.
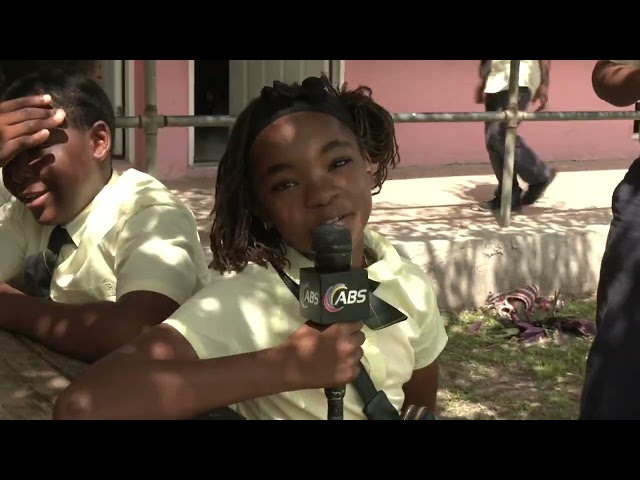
109,255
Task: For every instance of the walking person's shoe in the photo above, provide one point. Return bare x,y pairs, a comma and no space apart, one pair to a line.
536,190
495,203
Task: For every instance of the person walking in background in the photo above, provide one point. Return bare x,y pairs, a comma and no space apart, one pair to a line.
493,91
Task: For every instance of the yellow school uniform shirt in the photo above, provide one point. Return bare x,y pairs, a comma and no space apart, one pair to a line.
254,310
135,235
498,79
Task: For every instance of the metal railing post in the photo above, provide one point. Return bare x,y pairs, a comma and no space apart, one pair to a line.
510,145
150,118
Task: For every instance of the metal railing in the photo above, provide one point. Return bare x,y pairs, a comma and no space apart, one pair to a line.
151,121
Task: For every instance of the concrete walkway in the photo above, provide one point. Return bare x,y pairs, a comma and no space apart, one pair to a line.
430,216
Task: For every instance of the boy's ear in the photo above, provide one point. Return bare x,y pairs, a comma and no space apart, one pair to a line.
100,135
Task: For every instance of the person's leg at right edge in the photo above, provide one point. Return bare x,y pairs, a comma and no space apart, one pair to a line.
612,387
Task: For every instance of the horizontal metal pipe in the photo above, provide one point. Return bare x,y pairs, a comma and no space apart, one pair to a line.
229,120
200,121
501,116
573,116
449,117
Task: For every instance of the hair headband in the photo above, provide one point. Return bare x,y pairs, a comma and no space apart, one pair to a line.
283,99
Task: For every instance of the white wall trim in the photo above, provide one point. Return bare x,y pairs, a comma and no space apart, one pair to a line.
337,73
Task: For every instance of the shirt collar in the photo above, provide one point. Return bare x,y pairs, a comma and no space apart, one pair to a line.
386,267
78,225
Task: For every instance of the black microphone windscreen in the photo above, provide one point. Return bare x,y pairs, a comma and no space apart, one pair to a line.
331,238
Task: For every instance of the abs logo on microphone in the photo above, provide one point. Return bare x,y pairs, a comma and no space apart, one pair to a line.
338,296
308,296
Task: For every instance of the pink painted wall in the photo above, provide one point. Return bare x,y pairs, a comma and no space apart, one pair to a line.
173,99
423,86
448,86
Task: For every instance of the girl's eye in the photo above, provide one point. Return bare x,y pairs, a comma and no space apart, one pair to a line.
280,187
340,163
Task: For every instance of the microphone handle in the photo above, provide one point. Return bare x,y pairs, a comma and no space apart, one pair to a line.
335,398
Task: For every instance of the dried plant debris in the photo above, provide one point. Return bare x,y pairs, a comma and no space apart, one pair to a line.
526,315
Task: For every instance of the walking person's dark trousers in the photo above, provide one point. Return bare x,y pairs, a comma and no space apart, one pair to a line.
612,380
527,164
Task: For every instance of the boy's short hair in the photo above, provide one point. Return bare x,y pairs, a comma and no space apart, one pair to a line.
82,99
11,70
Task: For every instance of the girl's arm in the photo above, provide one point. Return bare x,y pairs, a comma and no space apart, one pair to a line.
422,389
159,375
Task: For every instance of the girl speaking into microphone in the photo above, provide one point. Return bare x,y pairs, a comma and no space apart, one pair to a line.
299,156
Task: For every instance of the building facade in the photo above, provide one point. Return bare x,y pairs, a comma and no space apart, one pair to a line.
187,87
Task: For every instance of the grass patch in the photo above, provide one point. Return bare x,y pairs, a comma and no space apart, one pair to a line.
487,376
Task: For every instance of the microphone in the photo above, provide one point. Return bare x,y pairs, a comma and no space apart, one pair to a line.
333,292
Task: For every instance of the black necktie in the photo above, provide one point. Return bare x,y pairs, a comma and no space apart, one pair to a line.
38,268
